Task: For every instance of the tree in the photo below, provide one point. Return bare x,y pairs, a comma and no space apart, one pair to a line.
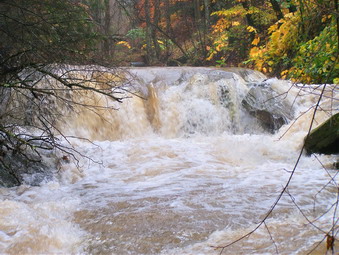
112,23
302,46
42,44
277,9
172,26
236,27
289,39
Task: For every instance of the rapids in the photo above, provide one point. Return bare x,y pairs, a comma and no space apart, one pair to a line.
178,169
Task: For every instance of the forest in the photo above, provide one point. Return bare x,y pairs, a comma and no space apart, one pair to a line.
290,39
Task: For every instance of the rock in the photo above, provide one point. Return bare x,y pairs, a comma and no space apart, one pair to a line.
138,64
25,167
325,138
23,171
6,179
265,104
248,75
5,94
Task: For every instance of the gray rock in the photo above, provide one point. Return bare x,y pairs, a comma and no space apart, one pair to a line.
5,94
21,170
268,107
23,166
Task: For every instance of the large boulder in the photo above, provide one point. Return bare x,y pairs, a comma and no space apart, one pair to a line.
325,138
271,110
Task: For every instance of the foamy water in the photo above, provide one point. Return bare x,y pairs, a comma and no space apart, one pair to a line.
177,174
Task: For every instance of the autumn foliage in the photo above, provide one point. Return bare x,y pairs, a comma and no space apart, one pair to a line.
291,39
301,45
286,38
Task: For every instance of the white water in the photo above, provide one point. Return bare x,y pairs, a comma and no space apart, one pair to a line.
179,173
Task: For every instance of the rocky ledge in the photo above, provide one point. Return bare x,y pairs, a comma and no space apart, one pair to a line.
325,138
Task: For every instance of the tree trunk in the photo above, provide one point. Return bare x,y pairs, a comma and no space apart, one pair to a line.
149,54
197,13
292,7
249,19
277,9
207,14
107,30
155,24
302,23
168,28
336,6
168,18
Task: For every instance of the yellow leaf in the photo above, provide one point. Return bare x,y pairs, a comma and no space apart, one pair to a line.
272,28
284,72
251,29
256,41
124,43
254,52
210,57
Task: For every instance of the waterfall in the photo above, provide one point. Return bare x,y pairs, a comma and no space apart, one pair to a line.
192,158
179,102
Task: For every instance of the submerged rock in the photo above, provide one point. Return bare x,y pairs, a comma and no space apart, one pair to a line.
325,138
265,104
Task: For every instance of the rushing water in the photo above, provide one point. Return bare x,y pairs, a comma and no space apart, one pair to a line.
178,173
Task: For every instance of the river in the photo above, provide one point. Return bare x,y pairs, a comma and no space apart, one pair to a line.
179,173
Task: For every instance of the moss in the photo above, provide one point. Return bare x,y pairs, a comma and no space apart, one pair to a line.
325,138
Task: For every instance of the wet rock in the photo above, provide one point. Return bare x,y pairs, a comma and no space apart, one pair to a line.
26,168
267,107
5,94
138,64
248,75
325,138
7,179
